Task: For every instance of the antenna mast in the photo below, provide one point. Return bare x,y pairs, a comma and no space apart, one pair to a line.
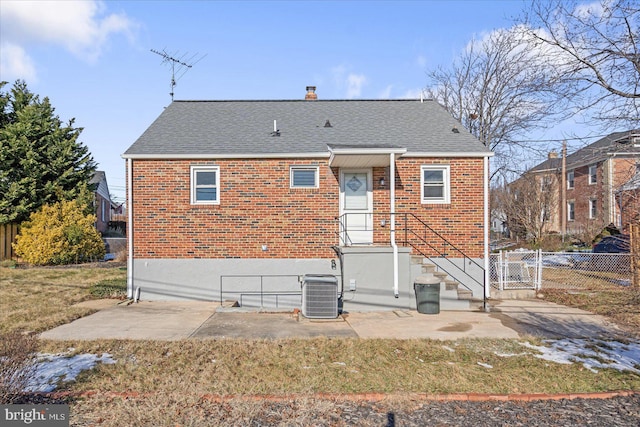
183,66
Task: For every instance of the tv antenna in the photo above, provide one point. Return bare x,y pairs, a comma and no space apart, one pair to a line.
179,65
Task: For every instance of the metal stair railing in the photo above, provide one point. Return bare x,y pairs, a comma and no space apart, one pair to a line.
442,252
411,235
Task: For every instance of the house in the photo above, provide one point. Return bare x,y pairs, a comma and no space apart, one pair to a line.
102,200
628,202
598,185
240,200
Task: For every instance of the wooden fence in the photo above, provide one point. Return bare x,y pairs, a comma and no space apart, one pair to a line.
8,234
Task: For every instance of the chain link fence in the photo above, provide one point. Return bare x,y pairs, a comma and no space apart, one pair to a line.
559,270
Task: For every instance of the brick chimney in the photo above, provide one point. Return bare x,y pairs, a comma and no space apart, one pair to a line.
553,154
311,94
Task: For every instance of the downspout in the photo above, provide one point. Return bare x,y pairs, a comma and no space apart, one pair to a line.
487,282
130,228
392,208
613,218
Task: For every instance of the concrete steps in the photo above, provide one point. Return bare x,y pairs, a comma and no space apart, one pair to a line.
453,297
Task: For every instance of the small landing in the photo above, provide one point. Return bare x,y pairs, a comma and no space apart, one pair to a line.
513,294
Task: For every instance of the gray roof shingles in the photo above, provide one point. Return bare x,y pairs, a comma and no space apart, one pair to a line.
245,127
593,153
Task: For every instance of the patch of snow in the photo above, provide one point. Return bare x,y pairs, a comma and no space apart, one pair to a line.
622,282
485,365
593,354
511,354
50,369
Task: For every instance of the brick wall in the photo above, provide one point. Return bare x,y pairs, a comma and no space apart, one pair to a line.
258,208
461,222
602,192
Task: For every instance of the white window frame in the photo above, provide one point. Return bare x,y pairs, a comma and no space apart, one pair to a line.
593,208
446,177
571,181
571,210
194,172
316,174
593,176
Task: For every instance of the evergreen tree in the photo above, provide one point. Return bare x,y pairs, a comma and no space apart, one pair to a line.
41,160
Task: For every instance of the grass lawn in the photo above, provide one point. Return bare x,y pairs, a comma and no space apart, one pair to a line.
38,299
620,304
173,382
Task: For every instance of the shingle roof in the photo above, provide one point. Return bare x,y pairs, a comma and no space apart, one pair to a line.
615,143
246,127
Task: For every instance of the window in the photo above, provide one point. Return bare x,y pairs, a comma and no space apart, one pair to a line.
435,185
593,210
570,177
304,177
571,211
593,174
205,183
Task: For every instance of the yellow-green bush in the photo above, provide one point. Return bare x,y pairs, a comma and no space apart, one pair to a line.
59,234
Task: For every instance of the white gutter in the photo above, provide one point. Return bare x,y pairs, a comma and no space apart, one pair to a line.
322,155
447,154
129,228
392,208
487,278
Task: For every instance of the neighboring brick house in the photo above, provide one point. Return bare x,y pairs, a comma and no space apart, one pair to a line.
599,183
102,201
236,199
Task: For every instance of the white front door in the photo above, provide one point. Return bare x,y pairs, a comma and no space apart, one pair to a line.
356,206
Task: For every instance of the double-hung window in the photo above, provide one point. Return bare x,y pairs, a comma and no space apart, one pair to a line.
304,177
570,178
205,185
593,208
593,174
571,211
435,184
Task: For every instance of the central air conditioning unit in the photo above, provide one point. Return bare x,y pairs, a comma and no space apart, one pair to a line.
320,296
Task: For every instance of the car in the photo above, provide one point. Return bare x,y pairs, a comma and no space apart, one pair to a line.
615,244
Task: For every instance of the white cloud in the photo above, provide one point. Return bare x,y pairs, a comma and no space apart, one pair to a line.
413,94
349,82
81,27
386,93
15,63
587,10
354,85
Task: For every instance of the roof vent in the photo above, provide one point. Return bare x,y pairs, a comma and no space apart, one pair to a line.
455,130
311,94
276,131
327,124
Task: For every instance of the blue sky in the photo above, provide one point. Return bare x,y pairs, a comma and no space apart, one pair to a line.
93,59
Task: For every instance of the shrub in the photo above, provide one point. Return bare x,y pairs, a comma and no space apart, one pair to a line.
17,359
59,234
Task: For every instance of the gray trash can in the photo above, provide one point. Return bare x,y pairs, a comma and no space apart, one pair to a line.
427,295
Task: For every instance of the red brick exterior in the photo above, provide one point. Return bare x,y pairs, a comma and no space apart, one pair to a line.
603,192
258,207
